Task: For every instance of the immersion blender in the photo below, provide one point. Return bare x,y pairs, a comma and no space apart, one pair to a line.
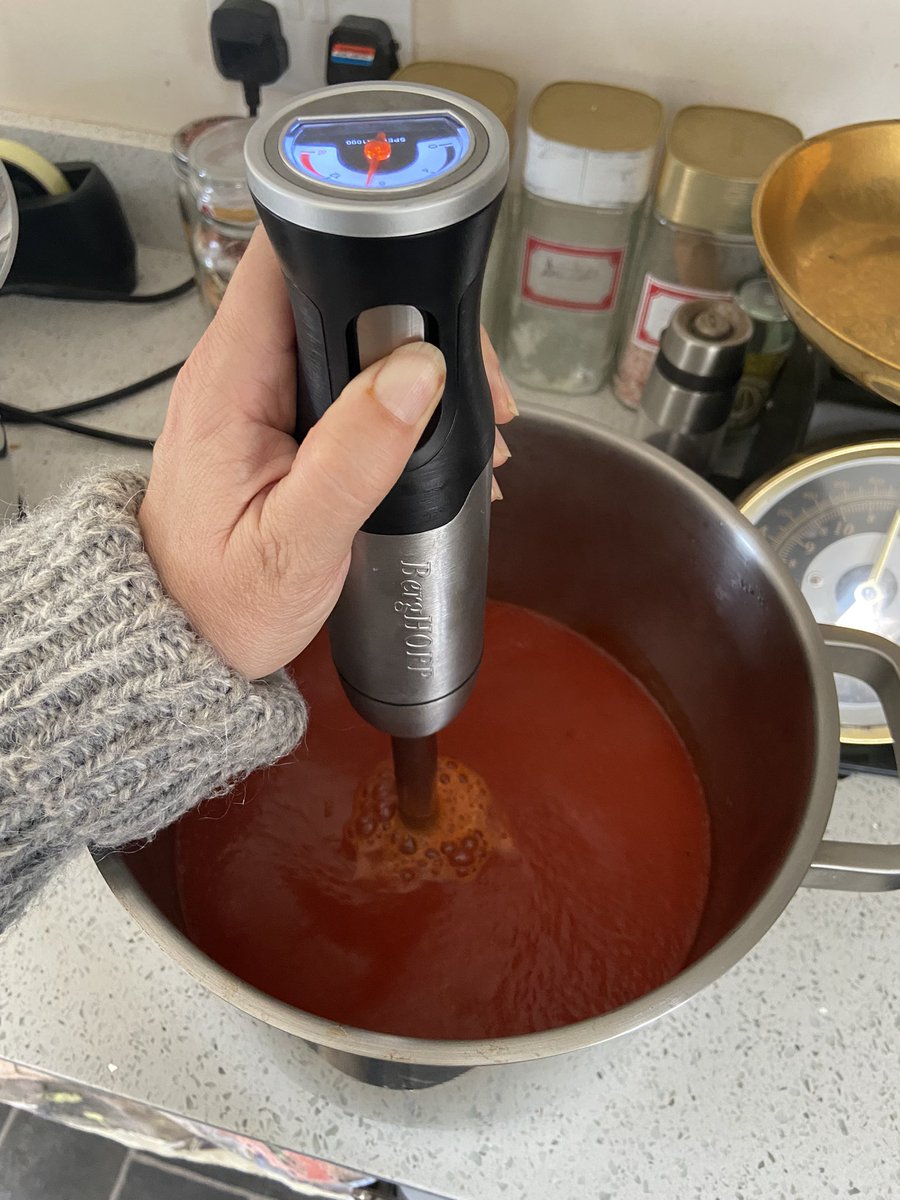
380,201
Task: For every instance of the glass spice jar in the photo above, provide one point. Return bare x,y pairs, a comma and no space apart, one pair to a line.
500,94
182,141
697,242
225,213
588,165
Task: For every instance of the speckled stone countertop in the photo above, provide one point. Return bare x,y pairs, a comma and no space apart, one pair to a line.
779,1080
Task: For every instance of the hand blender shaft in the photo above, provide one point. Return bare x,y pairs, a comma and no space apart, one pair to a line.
380,201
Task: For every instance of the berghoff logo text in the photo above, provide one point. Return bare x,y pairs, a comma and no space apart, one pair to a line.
417,624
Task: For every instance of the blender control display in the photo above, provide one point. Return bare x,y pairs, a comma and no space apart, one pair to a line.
376,153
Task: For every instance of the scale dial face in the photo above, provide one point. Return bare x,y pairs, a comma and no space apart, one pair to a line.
376,154
834,521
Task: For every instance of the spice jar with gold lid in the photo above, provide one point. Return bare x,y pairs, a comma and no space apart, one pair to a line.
500,94
698,242
589,160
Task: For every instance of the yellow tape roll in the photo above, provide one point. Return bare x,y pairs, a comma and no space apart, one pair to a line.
45,173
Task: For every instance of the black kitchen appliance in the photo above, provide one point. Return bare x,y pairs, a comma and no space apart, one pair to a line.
380,200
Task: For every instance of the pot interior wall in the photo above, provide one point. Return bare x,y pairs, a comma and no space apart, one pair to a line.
632,559
629,557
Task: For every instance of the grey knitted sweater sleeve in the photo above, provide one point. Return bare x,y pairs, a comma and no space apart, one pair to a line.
115,716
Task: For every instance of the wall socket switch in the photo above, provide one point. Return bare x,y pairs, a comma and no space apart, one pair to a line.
306,24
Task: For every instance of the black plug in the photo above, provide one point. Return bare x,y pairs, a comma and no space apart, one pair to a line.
248,45
361,48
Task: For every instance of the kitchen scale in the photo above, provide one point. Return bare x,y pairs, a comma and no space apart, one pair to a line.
822,479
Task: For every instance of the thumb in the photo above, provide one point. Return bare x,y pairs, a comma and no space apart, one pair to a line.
354,454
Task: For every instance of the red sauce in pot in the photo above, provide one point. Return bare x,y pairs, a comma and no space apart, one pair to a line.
590,895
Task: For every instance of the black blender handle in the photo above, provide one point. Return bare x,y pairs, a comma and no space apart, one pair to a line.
332,279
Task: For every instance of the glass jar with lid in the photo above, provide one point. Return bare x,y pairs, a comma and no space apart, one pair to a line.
698,241
589,160
182,141
226,215
500,94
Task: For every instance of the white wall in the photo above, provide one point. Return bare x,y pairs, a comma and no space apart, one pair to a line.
147,65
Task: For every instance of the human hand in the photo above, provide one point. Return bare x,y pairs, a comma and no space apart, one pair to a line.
248,533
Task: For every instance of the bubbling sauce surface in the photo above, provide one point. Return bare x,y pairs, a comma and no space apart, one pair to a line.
588,895
466,835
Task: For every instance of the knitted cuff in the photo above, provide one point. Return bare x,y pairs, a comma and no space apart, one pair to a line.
115,716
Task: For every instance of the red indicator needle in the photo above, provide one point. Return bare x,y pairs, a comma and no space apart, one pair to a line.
376,150
305,162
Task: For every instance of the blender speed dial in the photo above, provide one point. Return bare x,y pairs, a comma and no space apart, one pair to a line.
834,520
389,152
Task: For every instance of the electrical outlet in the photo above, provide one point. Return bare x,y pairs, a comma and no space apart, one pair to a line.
306,24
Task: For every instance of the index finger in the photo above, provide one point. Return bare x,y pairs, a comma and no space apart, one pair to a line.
504,403
243,369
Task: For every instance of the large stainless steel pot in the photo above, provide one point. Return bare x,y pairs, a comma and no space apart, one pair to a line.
625,545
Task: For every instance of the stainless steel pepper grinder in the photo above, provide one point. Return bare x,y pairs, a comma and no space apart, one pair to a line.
690,392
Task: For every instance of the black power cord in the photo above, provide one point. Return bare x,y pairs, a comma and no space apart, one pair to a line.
122,393
11,414
48,291
57,418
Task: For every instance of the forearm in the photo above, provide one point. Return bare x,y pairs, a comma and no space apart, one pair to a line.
115,717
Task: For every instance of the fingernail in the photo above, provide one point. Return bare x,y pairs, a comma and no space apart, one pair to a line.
410,382
510,399
501,450
496,494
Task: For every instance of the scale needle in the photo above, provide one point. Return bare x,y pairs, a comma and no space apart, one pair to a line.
881,562
861,612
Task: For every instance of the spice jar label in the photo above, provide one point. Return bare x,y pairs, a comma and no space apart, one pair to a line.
657,304
581,278
596,178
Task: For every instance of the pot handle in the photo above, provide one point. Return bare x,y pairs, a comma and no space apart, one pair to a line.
862,866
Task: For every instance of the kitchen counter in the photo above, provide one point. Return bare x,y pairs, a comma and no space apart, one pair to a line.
779,1080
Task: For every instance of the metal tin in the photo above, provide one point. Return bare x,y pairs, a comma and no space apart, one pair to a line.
714,159
497,92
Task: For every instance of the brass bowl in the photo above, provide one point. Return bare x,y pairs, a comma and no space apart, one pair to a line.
826,217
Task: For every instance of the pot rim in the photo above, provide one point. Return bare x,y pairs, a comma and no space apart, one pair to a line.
637,1013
